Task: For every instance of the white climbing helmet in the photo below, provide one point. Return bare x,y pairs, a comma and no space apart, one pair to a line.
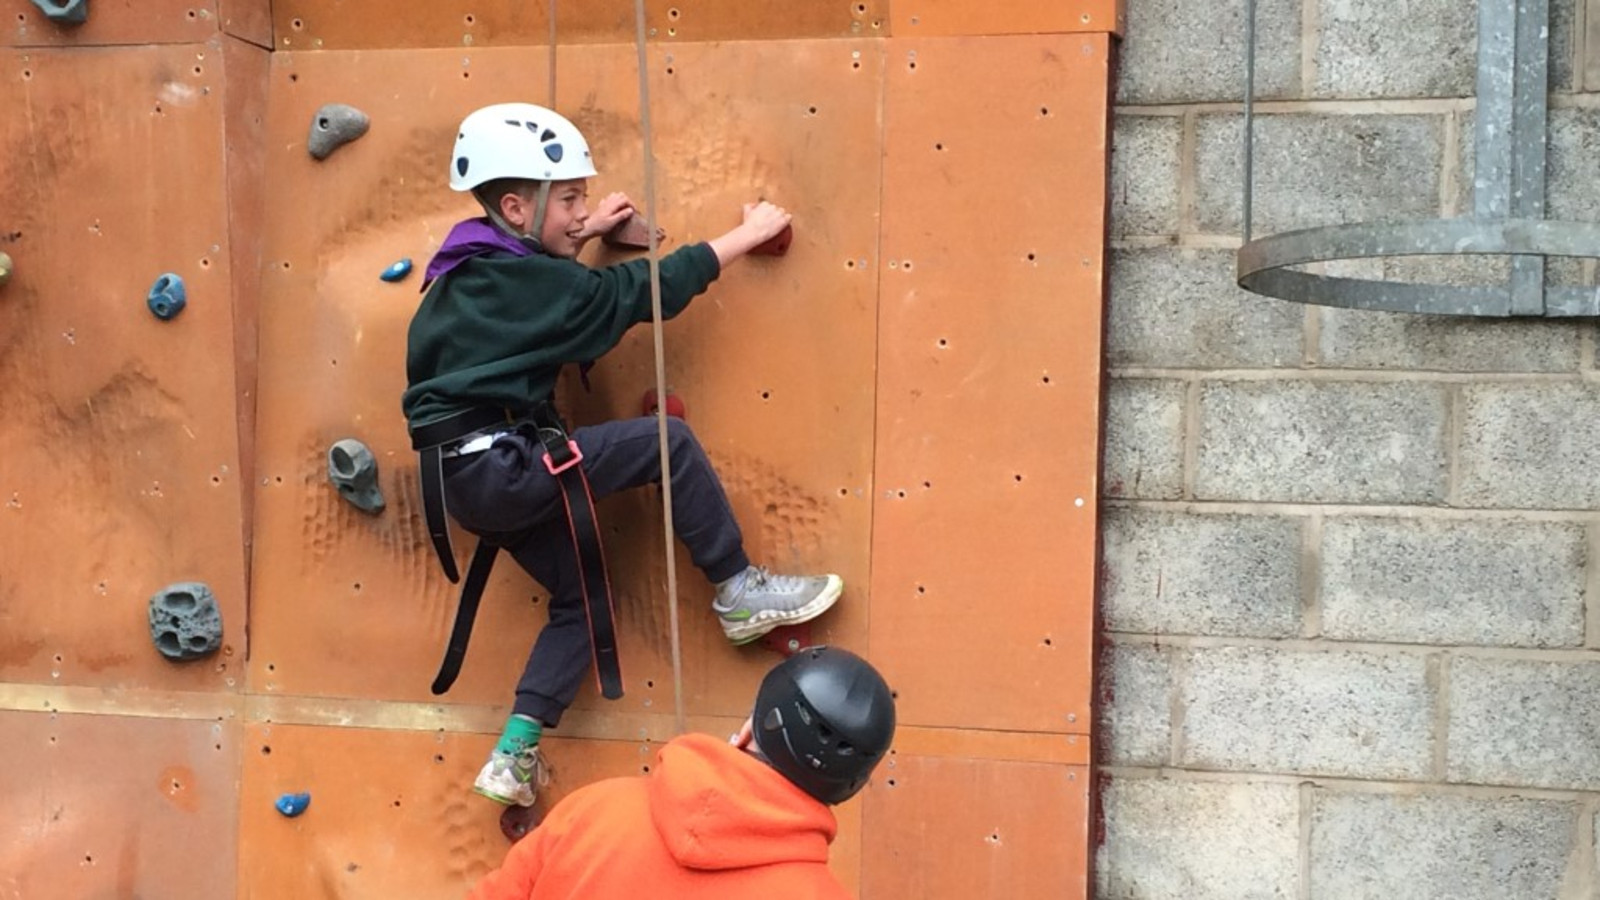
517,140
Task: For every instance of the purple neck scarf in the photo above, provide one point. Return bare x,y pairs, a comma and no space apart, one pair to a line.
479,237
470,238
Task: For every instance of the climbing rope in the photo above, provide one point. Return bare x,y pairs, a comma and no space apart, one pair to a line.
661,366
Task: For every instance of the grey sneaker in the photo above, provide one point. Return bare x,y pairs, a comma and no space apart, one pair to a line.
513,777
755,602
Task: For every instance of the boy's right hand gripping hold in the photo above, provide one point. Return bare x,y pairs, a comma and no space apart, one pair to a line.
762,222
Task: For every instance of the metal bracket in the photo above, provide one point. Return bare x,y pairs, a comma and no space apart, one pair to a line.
1508,201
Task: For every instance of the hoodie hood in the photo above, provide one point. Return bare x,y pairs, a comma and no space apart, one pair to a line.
717,807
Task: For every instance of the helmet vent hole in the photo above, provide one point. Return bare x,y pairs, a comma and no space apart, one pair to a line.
548,135
515,124
461,165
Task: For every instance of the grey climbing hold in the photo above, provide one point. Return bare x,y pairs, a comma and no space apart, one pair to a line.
72,12
293,805
398,271
167,297
185,622
5,269
354,471
333,126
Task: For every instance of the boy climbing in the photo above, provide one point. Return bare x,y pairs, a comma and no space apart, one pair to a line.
506,307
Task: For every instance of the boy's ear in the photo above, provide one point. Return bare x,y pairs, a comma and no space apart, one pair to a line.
516,211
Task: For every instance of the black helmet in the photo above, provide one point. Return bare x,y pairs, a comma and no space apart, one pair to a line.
824,717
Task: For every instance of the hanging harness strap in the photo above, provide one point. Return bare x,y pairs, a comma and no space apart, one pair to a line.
466,614
563,459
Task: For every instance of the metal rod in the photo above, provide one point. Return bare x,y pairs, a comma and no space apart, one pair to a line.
1529,111
1249,112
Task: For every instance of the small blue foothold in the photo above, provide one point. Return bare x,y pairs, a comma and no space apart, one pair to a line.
293,805
72,12
167,296
397,271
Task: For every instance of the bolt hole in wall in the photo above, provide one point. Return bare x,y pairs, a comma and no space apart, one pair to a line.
297,24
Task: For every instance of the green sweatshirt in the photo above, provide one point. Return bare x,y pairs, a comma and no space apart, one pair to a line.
496,330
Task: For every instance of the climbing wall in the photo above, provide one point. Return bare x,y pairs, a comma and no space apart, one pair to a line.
910,398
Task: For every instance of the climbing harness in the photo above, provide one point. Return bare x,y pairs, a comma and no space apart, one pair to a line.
476,430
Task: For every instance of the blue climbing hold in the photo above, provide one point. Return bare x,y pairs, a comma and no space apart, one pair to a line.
398,271
167,296
293,805
72,12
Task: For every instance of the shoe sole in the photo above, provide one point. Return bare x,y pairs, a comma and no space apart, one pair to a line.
503,801
752,630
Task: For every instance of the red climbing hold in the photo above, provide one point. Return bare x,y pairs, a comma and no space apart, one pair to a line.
777,245
787,640
675,407
517,821
632,233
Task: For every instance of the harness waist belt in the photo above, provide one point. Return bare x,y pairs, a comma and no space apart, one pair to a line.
462,424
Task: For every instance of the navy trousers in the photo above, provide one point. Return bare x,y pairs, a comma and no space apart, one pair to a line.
506,496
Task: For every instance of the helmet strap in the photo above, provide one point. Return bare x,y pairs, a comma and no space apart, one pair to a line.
541,206
531,238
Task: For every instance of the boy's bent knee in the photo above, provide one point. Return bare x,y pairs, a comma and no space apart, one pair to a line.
679,434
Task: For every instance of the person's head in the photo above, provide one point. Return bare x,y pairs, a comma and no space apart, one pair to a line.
529,168
824,718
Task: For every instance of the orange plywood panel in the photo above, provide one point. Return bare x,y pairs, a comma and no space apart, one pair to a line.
353,605
120,433
989,379
311,25
249,20
938,828
937,18
111,23
106,806
392,813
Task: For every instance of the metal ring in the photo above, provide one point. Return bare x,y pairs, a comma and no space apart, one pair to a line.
1261,264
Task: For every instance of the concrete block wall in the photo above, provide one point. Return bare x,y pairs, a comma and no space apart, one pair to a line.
1350,568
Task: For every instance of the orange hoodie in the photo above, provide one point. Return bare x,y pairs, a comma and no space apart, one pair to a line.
710,821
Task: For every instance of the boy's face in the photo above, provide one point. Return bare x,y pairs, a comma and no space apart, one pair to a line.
566,212
565,217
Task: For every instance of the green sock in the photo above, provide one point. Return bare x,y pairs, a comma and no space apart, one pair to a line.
521,733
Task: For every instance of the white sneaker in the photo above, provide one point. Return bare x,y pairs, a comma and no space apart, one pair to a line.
513,778
756,601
